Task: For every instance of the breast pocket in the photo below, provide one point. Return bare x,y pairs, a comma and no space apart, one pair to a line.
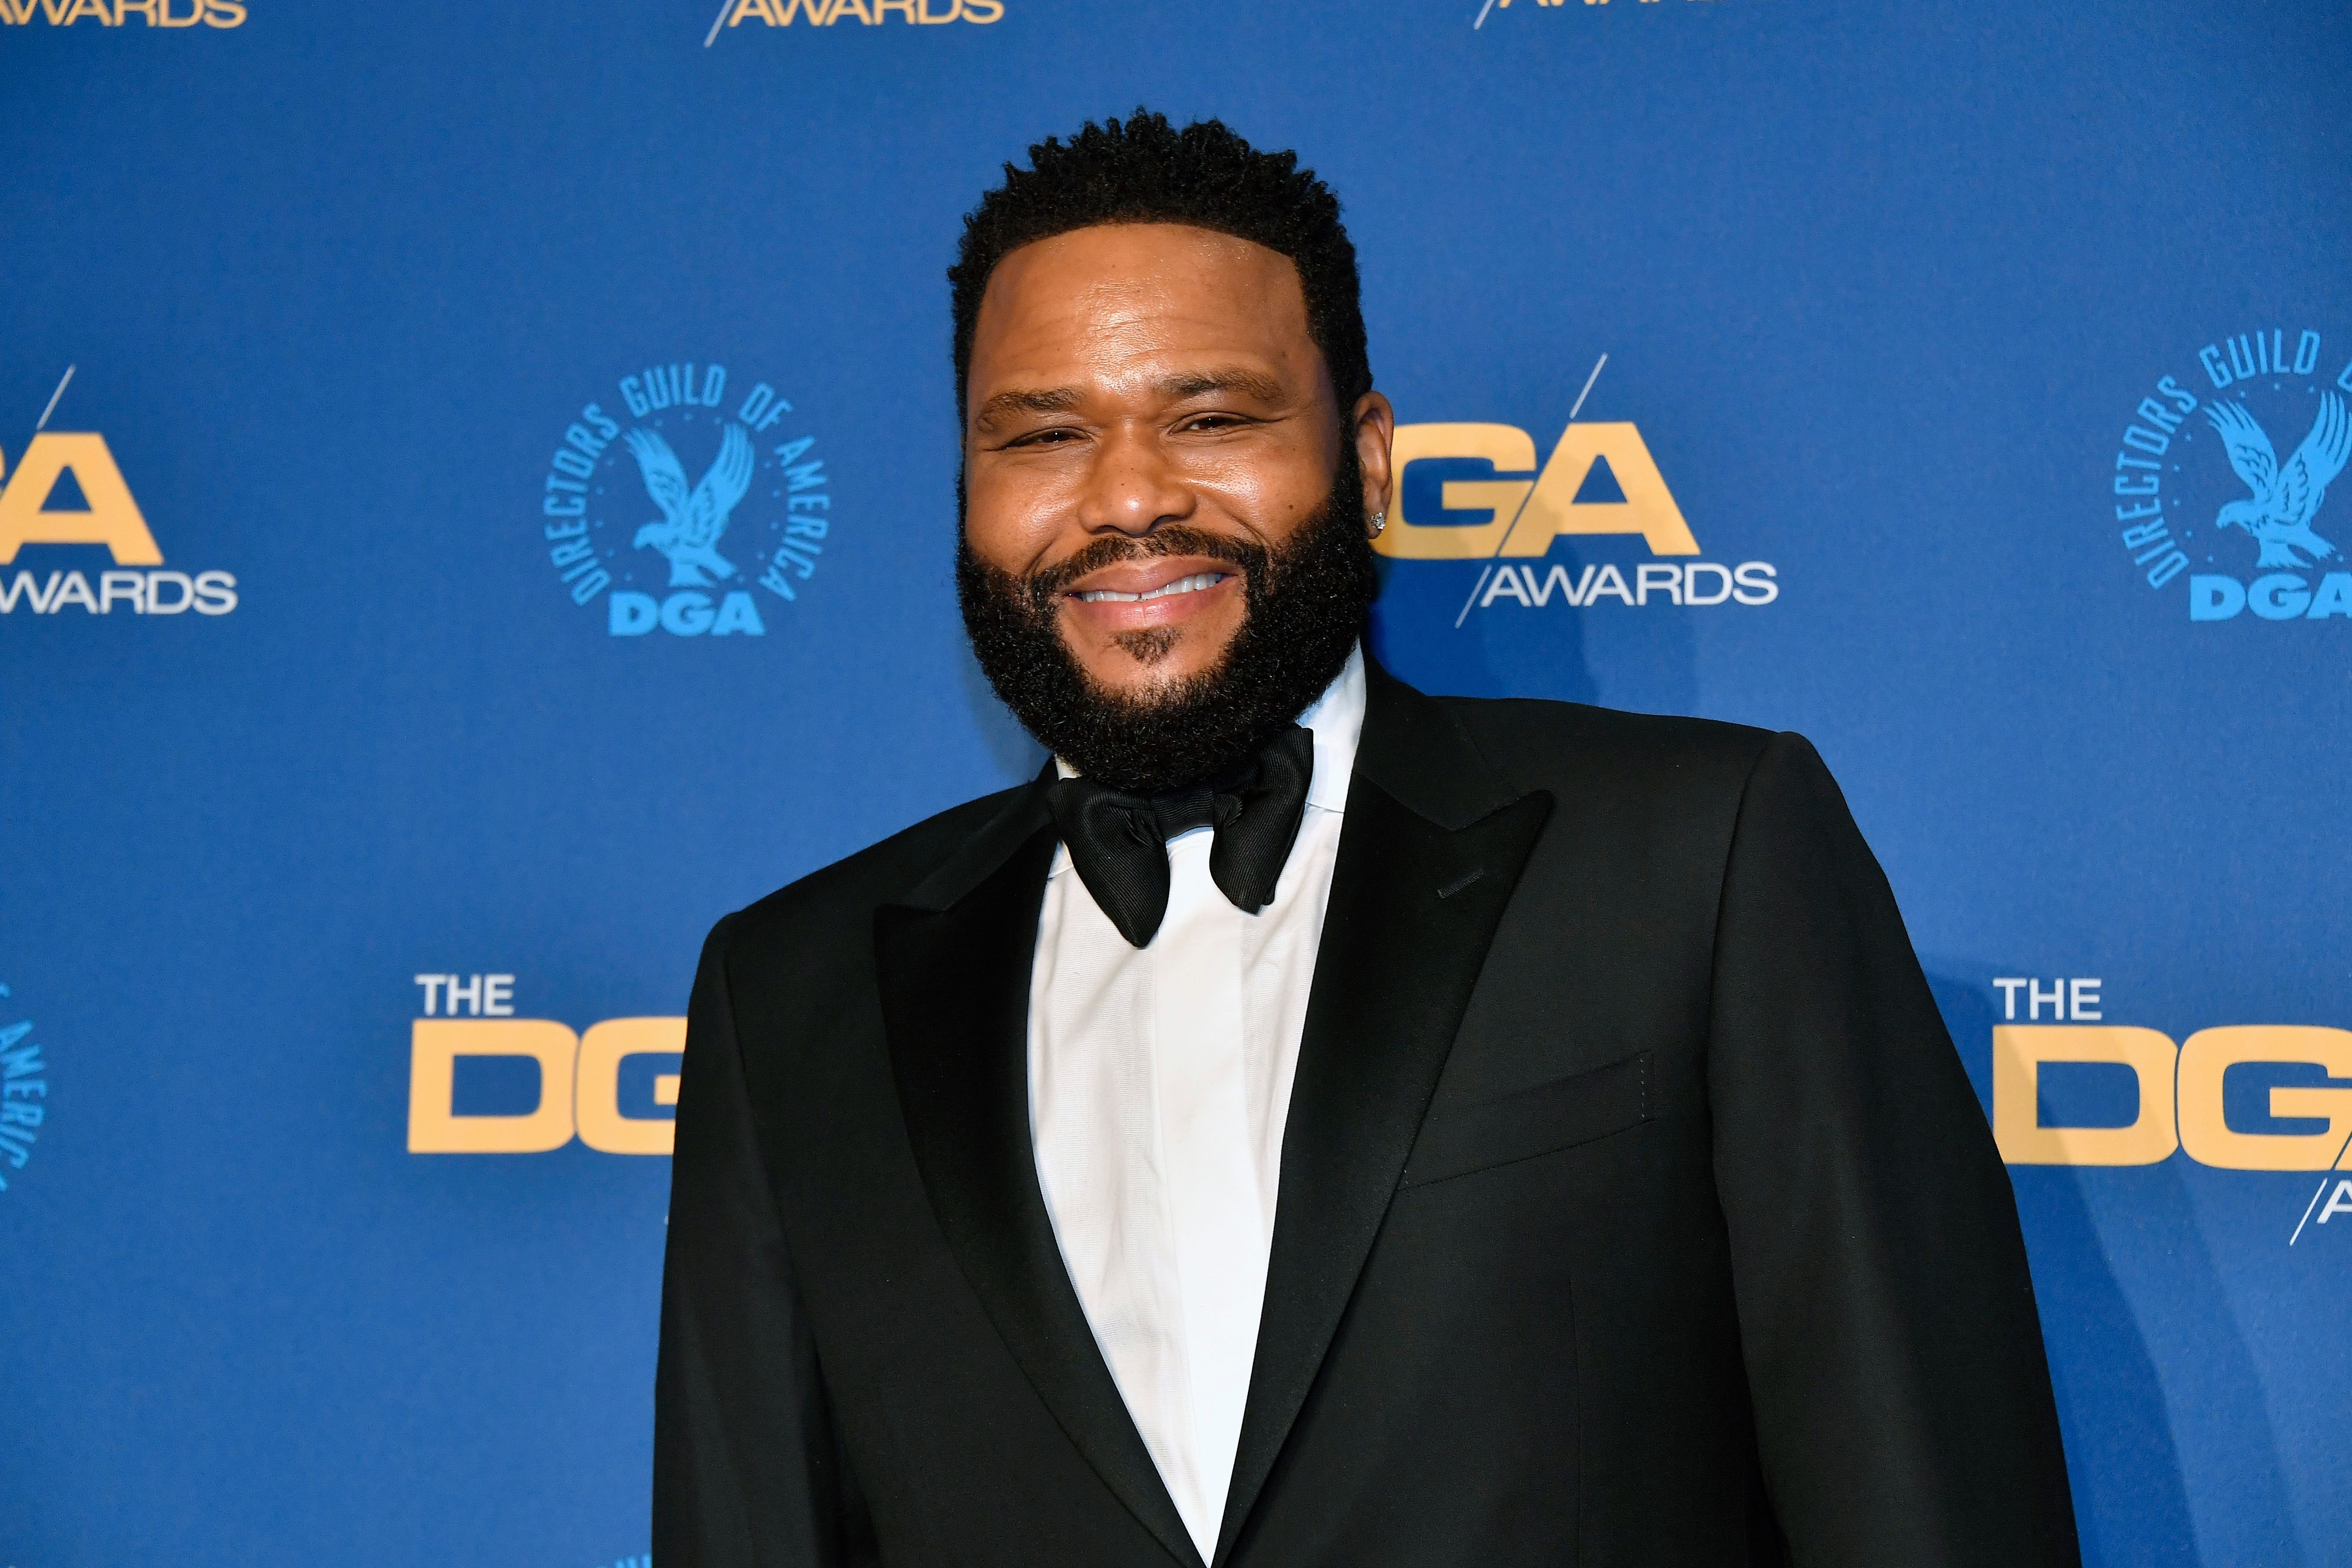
1458,1140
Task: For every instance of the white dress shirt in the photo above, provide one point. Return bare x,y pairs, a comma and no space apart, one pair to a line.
1159,1085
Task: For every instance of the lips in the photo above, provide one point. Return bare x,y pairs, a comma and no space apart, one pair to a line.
1157,583
1150,593
1193,583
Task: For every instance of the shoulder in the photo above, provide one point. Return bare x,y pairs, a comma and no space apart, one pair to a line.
1663,807
1580,748
1652,777
843,896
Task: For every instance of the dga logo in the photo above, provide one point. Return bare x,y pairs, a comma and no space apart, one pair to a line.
64,465
2223,477
1473,492
607,1083
677,504
24,1090
118,13
826,12
2243,1097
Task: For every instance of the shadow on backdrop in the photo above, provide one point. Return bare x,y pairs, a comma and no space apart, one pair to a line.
1429,630
1509,626
1010,747
2131,1497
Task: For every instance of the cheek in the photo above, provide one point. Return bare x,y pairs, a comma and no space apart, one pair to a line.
1272,499
1277,512
1009,517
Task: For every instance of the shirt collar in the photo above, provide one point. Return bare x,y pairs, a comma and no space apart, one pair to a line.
1338,719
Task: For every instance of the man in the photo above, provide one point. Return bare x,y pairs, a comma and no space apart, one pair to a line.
1314,1123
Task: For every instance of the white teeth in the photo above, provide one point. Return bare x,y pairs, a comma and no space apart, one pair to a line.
1191,585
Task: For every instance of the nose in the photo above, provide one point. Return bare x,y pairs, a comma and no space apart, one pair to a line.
1130,487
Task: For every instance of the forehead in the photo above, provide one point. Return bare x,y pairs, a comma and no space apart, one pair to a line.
1096,297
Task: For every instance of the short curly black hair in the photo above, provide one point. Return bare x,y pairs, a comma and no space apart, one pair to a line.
1144,170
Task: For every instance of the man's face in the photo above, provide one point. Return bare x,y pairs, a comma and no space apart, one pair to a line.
1137,386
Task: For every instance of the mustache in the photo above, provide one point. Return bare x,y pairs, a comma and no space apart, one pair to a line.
1048,583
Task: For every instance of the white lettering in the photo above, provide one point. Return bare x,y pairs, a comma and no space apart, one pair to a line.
2034,1000
1756,584
1506,582
129,586
1690,583
1611,581
470,994
2009,988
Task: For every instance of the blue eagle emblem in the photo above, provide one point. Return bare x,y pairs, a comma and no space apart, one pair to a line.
2279,512
692,520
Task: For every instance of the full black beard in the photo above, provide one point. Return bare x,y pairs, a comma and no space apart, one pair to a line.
1303,608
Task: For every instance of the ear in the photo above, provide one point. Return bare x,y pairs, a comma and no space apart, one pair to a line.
1373,424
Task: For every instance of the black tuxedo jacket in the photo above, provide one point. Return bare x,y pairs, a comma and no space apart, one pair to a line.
1634,1207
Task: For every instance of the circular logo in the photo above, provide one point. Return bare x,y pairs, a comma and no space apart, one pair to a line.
688,505
2221,479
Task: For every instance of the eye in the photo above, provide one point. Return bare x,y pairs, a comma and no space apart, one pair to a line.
1212,422
1059,436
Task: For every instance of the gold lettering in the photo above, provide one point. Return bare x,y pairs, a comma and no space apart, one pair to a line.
2018,1052
602,1122
1506,446
1648,508
434,1046
112,519
2206,1059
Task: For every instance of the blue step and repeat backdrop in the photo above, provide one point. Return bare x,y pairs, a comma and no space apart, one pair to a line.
1962,383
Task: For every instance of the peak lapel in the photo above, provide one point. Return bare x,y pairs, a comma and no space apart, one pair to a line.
953,962
1432,849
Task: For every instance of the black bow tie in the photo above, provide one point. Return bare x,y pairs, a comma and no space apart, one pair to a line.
1119,842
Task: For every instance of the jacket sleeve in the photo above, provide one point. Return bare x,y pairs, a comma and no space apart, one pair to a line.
1902,1399
747,1473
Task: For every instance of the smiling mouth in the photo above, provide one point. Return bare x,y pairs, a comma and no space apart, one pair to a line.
1191,585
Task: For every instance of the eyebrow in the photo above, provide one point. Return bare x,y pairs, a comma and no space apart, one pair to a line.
1230,378
1183,384
1025,400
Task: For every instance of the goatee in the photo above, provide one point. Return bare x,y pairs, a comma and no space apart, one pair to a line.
1303,608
